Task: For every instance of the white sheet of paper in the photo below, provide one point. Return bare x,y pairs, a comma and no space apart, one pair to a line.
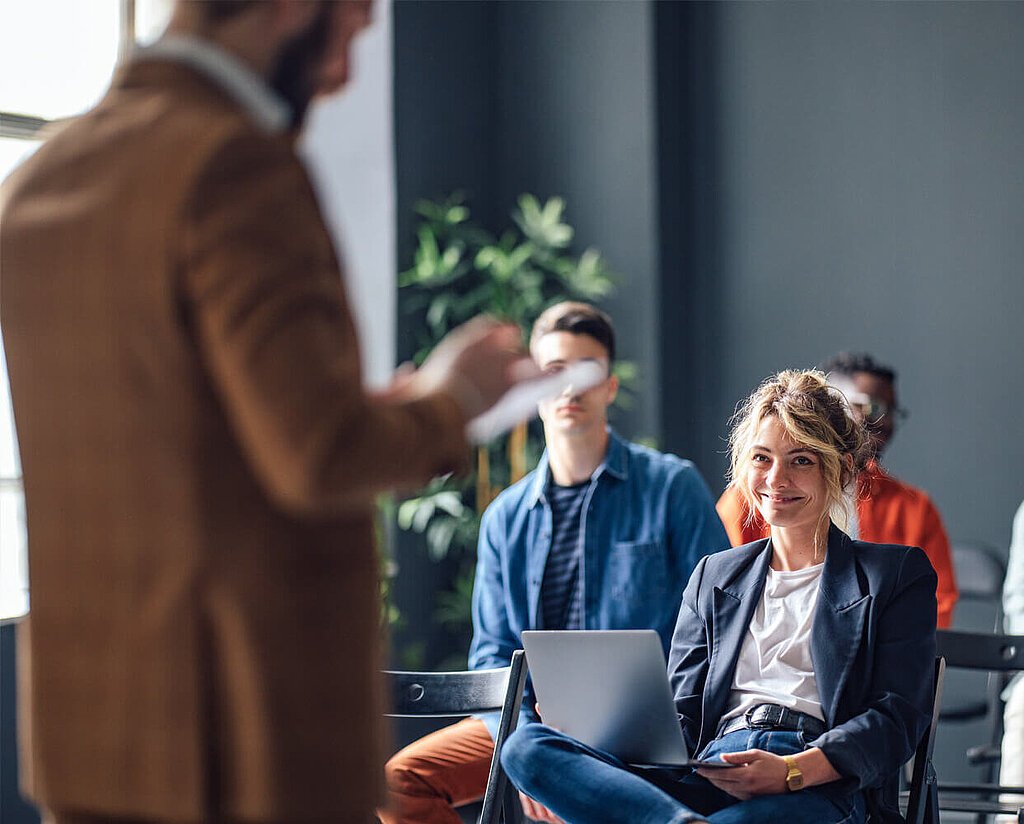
520,402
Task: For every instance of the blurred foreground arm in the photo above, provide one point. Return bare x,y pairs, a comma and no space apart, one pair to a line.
268,312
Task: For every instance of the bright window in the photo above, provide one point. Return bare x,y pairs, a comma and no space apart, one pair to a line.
13,572
56,56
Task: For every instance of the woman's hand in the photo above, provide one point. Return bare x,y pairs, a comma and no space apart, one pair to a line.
538,812
762,773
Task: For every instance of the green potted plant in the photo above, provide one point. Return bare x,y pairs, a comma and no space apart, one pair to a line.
459,271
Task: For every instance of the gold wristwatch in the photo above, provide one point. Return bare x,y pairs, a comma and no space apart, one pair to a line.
794,778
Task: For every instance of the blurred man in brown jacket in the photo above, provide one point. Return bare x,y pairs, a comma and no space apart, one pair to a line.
199,455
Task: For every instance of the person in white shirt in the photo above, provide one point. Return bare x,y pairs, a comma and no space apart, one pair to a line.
1011,764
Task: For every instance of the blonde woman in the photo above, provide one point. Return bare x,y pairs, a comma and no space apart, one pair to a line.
806,658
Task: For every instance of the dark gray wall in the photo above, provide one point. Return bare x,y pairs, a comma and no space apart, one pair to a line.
872,197
444,110
444,115
575,118
13,808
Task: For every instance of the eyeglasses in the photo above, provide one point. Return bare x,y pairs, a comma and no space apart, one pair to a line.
874,410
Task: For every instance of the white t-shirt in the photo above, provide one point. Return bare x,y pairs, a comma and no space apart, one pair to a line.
775,666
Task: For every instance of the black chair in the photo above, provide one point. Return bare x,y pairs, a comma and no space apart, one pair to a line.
993,653
465,693
922,806
976,698
980,572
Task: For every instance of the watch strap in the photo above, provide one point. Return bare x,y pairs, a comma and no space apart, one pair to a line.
794,776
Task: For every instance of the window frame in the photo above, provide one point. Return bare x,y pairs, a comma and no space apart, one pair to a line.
22,126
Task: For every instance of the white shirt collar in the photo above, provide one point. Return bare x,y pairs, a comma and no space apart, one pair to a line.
249,90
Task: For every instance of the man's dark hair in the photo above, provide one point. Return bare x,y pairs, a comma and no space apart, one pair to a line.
578,319
849,363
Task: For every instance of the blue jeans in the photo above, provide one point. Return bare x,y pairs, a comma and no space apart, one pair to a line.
583,785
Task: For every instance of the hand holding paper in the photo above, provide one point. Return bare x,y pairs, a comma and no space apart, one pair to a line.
520,402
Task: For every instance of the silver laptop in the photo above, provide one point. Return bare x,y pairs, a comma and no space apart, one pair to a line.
609,689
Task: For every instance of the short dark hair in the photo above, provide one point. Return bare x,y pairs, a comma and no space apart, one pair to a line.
849,363
578,319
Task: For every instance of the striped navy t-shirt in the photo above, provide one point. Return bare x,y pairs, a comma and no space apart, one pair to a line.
560,589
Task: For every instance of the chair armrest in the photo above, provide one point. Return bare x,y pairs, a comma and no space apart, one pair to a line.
979,788
967,711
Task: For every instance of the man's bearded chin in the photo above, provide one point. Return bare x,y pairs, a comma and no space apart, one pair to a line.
294,74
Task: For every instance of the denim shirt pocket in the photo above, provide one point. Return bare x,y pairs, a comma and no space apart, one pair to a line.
637,581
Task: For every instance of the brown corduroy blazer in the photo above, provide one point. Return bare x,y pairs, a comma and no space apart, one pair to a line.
200,461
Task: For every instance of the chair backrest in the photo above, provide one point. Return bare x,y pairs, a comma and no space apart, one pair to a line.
465,693
980,571
981,650
993,653
922,806
986,651
447,693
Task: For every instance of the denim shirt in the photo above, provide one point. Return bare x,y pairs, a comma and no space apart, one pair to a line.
648,518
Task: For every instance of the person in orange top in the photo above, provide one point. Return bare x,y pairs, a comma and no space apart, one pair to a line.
888,510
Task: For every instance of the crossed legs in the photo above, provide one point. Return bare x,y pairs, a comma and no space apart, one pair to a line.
583,785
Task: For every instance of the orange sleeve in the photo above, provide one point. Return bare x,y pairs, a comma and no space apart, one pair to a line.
935,544
735,515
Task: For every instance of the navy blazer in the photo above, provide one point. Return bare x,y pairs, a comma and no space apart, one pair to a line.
872,646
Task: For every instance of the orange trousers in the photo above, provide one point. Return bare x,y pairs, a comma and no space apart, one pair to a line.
432,776
63,817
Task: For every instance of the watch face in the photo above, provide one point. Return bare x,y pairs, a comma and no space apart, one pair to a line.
795,782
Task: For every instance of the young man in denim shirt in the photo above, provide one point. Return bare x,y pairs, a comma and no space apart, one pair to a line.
602,535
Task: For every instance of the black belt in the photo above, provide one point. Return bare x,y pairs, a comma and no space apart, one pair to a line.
775,717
